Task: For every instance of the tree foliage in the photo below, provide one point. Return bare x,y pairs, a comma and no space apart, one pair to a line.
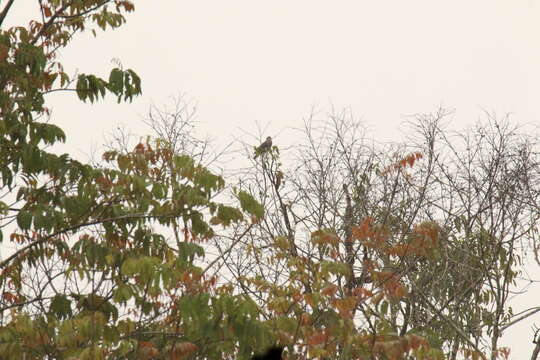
344,252
90,274
406,250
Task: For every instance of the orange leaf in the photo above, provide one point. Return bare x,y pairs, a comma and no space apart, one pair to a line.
147,350
329,290
183,348
9,297
416,341
364,230
345,306
321,237
305,319
308,298
409,160
146,344
362,293
317,338
47,11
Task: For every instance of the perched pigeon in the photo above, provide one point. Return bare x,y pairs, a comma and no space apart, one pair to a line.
274,353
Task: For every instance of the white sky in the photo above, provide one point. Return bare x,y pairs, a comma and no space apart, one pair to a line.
248,61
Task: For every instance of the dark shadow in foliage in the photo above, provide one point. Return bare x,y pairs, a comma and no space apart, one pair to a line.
274,353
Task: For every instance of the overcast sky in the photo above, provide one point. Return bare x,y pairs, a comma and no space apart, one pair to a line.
249,61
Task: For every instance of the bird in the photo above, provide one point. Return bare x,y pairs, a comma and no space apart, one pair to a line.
264,147
274,353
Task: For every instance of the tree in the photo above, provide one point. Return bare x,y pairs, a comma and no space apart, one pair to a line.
424,244
91,275
336,258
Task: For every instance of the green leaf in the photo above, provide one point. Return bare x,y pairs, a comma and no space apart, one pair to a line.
129,267
158,191
384,307
7,177
183,162
334,267
116,81
40,221
198,225
187,252
24,219
227,214
122,293
82,87
4,208
250,205
60,306
123,162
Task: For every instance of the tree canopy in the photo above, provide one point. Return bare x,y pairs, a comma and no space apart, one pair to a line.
347,251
